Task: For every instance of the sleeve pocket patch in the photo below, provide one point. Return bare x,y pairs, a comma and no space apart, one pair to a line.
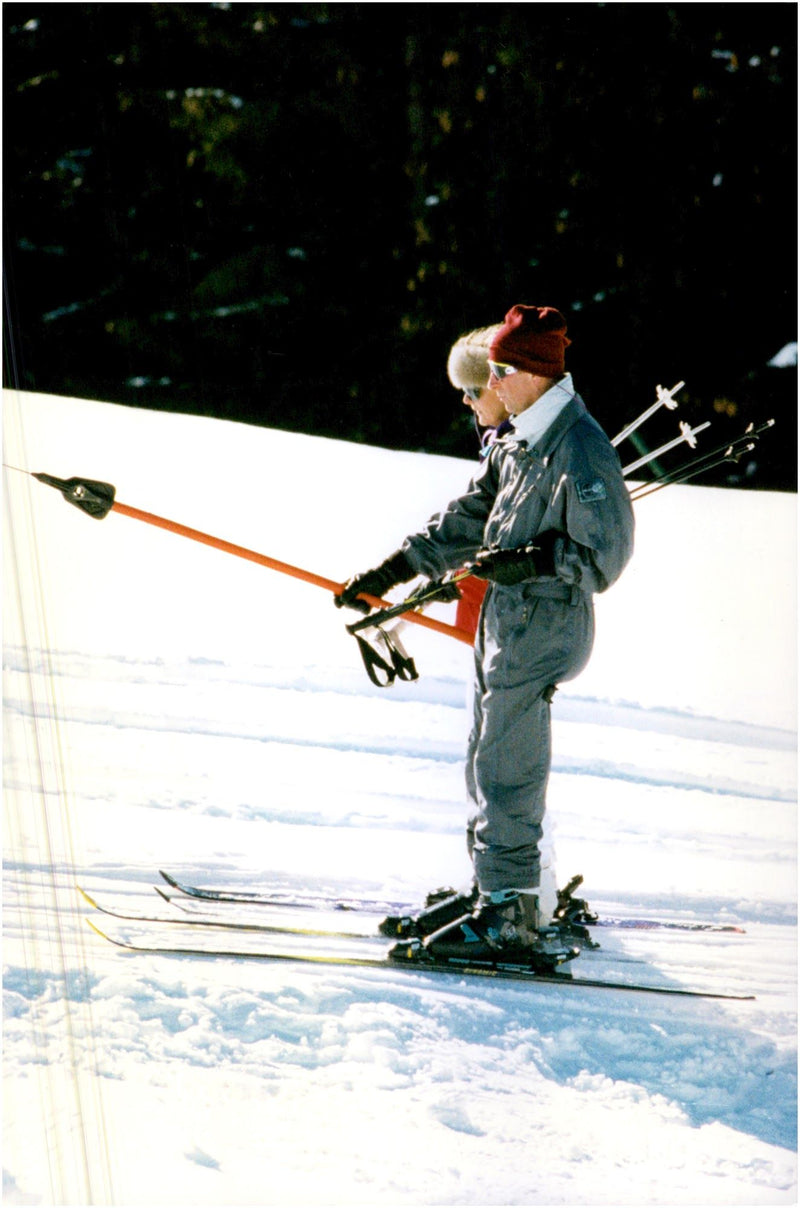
591,491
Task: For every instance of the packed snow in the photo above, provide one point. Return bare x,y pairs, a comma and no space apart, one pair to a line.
170,706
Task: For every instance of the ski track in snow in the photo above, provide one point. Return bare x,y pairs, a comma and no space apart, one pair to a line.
300,706
147,1080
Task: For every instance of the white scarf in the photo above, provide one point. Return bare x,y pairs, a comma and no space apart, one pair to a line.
530,425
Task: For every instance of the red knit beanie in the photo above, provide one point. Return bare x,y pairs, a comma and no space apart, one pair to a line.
532,338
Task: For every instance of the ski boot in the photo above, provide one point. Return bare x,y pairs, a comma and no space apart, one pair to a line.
442,906
503,929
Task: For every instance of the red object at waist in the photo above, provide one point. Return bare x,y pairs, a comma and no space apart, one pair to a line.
469,605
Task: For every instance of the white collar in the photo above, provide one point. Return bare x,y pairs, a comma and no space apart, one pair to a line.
530,425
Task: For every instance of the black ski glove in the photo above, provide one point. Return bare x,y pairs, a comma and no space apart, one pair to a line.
510,566
394,570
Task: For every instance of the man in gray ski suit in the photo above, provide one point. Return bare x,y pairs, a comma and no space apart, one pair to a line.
547,520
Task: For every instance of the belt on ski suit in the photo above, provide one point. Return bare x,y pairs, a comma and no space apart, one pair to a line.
552,589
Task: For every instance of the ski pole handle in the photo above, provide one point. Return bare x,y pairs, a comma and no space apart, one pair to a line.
663,399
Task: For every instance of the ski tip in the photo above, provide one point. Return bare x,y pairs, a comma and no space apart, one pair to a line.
170,880
109,939
87,897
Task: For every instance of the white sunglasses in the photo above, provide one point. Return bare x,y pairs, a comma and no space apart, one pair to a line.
500,371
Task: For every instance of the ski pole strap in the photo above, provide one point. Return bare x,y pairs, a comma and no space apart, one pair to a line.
401,661
373,663
383,673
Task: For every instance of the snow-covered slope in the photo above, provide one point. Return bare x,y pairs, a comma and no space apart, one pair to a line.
169,705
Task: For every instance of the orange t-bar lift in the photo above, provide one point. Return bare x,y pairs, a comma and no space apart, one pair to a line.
97,499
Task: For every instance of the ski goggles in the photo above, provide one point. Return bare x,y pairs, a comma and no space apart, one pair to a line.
500,370
474,392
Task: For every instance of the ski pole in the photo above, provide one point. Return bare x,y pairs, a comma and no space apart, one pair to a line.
724,453
664,398
687,434
443,589
708,461
731,454
97,499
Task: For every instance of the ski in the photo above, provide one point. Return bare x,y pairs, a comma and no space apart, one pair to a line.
227,924
275,898
496,972
375,906
311,933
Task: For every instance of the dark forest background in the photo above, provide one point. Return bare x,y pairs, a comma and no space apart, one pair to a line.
285,214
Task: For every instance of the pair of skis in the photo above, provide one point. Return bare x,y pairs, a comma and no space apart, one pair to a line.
498,971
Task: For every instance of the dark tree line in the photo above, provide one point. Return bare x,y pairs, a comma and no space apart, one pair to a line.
285,214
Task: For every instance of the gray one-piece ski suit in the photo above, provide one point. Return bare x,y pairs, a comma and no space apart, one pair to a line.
535,634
